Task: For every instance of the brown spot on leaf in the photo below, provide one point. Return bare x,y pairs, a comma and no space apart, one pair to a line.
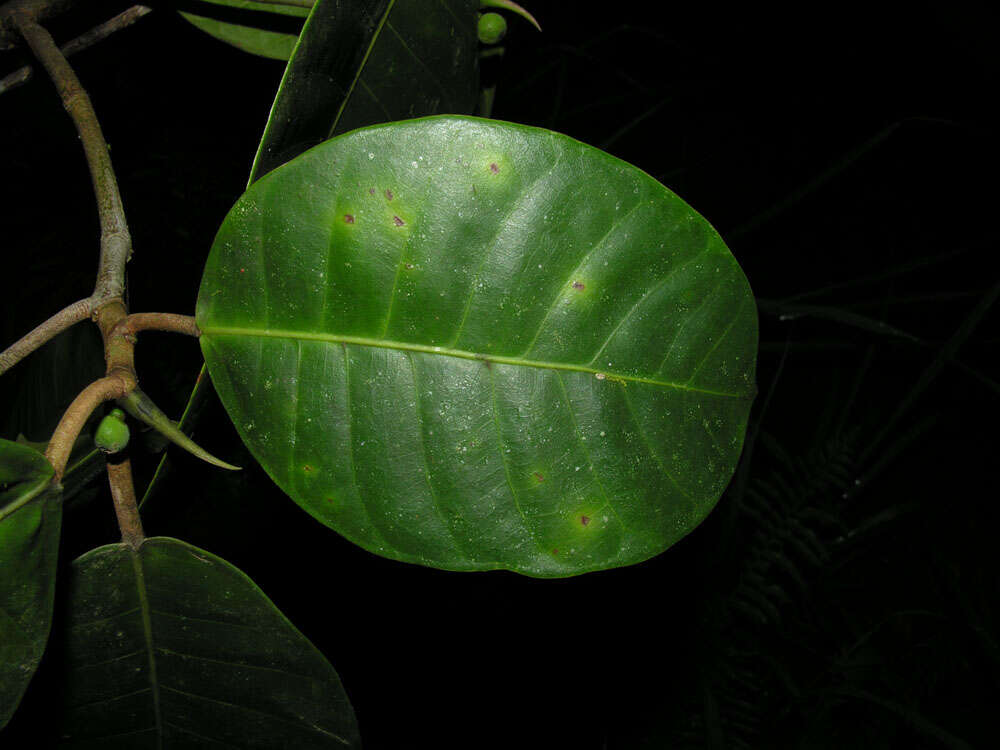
371,191
348,218
494,168
397,221
555,552
410,266
579,285
307,468
584,520
539,477
388,195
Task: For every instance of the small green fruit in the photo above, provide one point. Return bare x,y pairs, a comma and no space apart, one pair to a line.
112,433
492,28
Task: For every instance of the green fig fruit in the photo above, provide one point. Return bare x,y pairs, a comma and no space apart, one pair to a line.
112,433
492,27
513,7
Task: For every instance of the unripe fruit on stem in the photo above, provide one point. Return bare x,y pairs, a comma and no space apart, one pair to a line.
492,27
112,433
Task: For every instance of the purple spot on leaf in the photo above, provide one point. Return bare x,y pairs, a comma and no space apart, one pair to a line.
494,168
397,221
584,520
388,195
348,218
539,477
578,285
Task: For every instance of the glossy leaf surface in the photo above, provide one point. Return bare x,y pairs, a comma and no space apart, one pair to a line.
361,62
260,38
30,517
171,646
475,345
394,70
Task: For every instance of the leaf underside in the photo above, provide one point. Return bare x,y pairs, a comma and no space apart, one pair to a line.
361,62
170,646
30,519
476,345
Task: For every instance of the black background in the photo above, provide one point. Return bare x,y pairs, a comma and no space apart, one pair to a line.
828,144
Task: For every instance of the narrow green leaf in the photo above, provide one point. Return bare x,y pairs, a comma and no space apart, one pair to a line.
930,373
784,311
476,345
257,39
139,405
360,62
170,646
30,516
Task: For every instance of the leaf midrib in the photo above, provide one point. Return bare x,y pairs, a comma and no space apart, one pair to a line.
147,631
208,330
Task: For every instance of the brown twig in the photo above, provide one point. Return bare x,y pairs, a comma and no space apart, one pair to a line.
87,39
169,322
36,10
116,243
68,429
106,305
68,316
123,494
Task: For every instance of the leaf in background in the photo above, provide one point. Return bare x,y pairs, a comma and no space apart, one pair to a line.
361,62
170,646
35,394
476,345
30,514
258,40
85,464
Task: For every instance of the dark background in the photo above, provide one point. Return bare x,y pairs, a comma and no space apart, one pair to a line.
844,592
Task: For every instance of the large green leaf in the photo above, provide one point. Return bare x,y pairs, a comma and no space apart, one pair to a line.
475,345
170,646
30,516
360,62
260,39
